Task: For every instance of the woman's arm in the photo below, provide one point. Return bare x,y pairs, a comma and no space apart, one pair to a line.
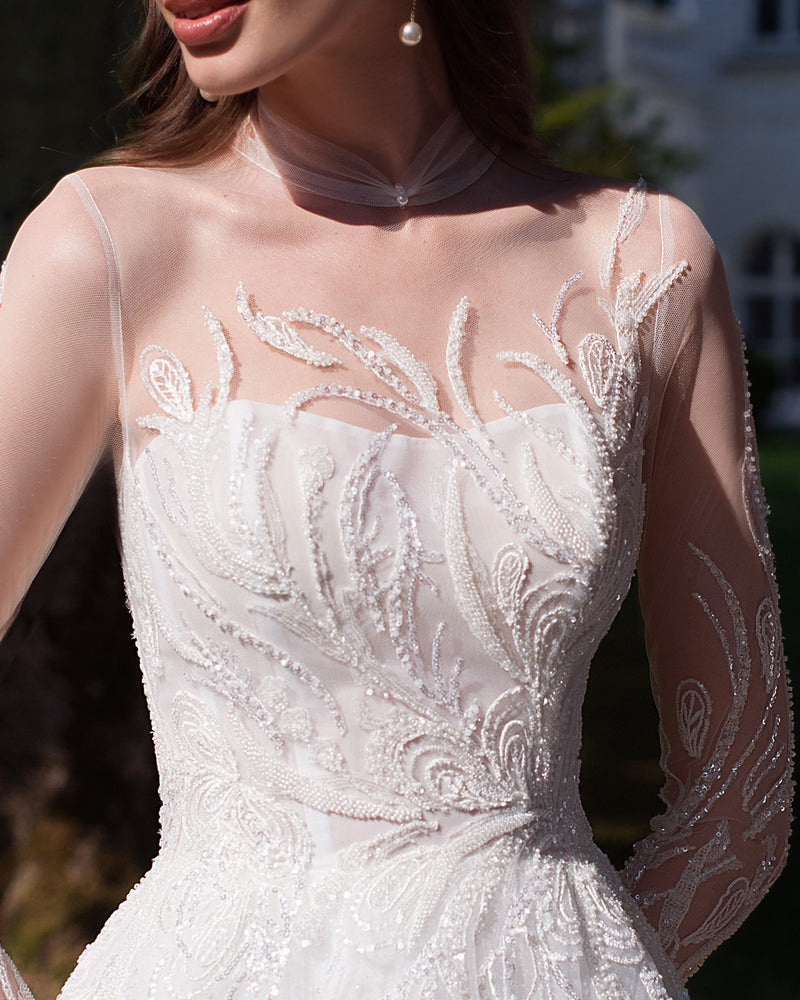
57,398
709,599
57,382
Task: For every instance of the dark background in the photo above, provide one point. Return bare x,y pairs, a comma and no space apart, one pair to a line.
78,801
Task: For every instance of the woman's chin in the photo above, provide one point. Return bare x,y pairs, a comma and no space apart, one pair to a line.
229,74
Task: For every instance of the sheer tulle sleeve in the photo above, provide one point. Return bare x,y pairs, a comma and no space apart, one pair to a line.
56,397
709,599
57,386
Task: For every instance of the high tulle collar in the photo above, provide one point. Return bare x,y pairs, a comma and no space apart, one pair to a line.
451,160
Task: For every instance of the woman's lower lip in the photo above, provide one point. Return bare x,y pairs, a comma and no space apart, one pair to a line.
202,30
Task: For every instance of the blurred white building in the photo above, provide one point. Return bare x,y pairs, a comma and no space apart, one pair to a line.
725,75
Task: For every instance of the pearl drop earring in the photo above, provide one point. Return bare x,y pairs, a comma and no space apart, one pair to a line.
208,98
411,33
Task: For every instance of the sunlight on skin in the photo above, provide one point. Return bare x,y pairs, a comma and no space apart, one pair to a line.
337,70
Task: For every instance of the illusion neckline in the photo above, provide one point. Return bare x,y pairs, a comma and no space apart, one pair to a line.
451,160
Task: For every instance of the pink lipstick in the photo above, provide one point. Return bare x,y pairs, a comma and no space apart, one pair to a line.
201,22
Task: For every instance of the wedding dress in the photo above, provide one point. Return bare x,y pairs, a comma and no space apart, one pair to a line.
388,456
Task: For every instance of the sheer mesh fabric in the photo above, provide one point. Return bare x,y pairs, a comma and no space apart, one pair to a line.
448,162
385,473
58,388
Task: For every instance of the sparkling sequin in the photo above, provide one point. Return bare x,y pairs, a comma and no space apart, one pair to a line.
365,656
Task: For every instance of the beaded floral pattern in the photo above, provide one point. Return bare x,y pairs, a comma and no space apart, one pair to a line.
760,773
365,656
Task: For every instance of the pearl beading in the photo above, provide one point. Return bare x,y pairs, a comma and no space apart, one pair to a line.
479,873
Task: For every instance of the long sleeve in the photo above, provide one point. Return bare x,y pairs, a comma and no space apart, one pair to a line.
56,397
709,599
57,385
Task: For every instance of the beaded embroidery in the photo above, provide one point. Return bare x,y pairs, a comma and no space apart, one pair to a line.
368,728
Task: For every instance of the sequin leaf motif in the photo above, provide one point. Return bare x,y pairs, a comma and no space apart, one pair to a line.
256,550
508,578
694,716
598,361
768,638
315,469
765,790
474,596
280,334
393,363
631,214
526,608
457,332
415,370
563,511
389,594
551,329
168,382
525,631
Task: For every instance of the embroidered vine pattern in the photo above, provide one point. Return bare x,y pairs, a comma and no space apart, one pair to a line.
766,762
430,749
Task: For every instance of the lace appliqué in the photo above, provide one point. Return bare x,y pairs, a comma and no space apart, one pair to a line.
264,657
761,772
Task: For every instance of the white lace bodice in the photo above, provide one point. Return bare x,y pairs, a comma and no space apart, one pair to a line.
369,566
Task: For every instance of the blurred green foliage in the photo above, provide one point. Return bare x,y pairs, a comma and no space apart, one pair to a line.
595,128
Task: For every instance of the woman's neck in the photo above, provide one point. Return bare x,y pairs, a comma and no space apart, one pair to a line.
371,94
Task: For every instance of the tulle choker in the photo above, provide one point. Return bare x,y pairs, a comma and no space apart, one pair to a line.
451,160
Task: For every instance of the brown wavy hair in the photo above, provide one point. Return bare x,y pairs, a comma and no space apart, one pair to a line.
485,45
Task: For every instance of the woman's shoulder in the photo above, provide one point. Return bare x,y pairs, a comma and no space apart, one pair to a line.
58,246
124,220
142,196
601,204
616,231
93,221
57,278
85,207
644,227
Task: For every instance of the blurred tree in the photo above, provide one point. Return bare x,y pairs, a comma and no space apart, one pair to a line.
587,123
